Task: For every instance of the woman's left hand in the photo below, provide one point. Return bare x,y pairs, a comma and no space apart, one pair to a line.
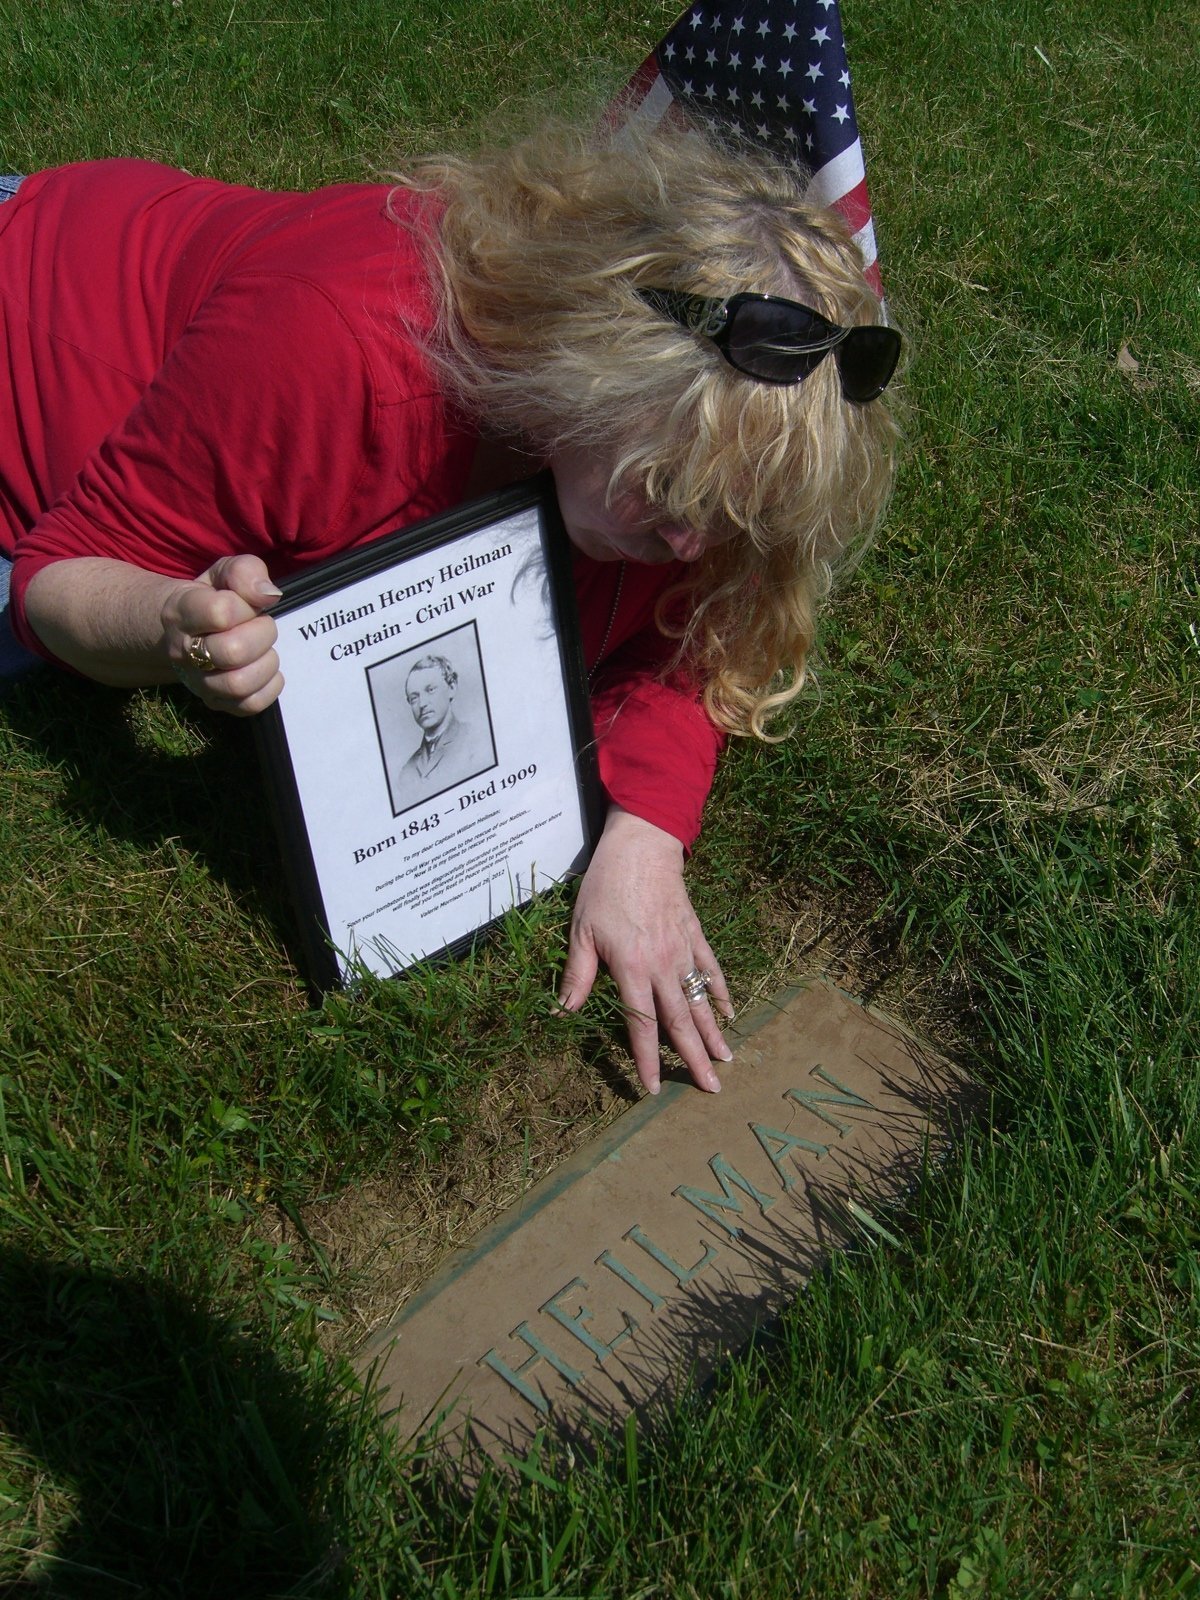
226,611
633,914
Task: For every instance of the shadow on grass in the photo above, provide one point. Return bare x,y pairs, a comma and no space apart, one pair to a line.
209,796
197,1465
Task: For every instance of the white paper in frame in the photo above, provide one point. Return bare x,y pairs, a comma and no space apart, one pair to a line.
430,760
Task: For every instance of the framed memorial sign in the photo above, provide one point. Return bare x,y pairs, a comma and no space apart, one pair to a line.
430,759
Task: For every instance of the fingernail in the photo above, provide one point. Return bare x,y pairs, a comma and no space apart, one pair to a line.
724,1053
267,589
653,1088
714,1083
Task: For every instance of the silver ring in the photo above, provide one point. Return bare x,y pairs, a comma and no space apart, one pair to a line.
198,655
695,986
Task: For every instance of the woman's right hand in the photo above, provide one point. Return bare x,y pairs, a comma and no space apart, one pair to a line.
225,607
633,913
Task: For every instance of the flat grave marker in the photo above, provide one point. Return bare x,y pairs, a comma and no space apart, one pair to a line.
657,1249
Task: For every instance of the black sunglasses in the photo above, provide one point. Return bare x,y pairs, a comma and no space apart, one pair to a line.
781,341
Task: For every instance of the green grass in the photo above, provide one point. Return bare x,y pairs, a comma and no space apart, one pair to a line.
992,804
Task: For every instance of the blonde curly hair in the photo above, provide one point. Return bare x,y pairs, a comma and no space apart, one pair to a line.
537,250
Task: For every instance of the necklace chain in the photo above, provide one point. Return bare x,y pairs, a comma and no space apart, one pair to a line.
612,617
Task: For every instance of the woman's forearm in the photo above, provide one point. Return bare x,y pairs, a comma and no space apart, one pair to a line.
104,618
126,627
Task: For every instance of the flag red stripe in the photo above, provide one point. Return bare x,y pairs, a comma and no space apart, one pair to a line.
625,103
855,206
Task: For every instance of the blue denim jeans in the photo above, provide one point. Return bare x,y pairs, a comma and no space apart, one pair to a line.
14,658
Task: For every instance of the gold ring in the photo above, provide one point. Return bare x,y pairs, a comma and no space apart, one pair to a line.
198,655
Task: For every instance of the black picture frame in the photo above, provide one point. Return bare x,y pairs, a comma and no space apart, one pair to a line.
430,762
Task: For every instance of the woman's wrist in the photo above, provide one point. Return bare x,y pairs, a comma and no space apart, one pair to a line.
623,826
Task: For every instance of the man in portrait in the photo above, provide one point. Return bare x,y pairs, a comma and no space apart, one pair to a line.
451,750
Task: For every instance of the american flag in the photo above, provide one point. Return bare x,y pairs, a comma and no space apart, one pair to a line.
777,69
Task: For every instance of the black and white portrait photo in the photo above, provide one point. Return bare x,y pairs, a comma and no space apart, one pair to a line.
431,712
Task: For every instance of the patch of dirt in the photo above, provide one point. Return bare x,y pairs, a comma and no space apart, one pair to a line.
384,1239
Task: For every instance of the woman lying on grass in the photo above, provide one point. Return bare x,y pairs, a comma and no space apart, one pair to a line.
216,386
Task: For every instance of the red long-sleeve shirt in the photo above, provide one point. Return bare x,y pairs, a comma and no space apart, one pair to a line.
192,369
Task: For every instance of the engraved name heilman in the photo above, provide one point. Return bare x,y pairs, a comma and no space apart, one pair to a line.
635,1267
719,1207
